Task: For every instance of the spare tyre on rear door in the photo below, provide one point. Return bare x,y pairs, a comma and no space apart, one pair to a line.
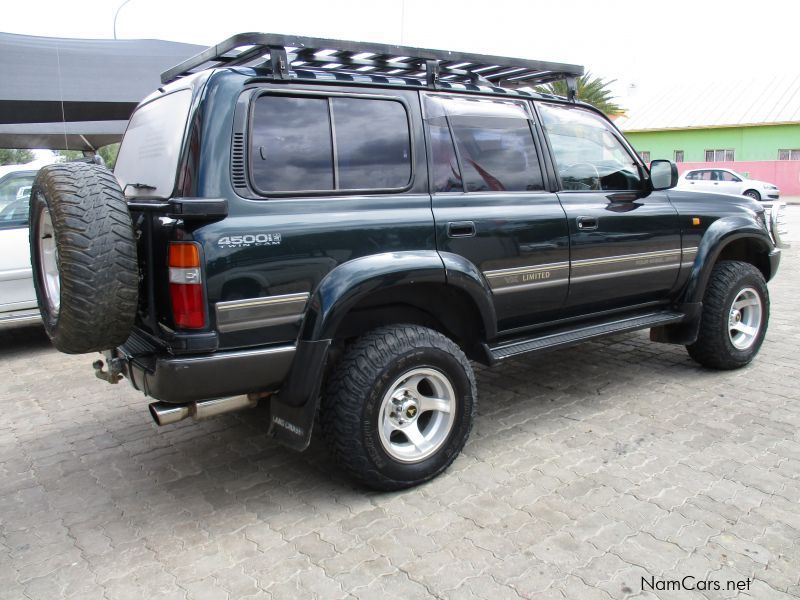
83,254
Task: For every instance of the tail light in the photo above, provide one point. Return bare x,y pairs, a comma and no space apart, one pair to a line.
186,285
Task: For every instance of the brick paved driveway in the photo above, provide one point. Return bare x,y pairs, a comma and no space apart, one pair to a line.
589,468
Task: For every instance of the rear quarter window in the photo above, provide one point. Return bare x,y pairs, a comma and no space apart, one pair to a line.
329,144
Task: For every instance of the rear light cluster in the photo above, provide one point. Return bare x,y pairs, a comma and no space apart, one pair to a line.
186,285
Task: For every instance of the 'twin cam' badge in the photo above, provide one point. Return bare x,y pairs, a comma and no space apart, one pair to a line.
249,239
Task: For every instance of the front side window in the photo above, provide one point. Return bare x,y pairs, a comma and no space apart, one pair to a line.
319,144
589,156
493,141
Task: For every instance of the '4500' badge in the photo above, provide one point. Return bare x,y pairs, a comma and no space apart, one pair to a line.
249,239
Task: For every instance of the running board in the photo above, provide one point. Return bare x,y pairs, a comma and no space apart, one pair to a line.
573,336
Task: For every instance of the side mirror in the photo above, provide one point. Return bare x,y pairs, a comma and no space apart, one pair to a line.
663,174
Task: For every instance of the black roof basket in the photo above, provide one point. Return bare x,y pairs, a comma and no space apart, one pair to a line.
282,54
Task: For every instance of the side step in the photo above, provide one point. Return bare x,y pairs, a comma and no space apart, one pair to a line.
567,337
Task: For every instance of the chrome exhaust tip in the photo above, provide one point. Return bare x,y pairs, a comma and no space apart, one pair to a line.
166,413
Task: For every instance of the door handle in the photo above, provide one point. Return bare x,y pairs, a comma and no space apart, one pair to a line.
460,229
587,223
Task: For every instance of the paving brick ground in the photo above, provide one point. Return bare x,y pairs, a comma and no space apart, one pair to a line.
589,469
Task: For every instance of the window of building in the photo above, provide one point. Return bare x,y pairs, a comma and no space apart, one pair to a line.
678,156
588,153
720,155
645,156
292,147
793,154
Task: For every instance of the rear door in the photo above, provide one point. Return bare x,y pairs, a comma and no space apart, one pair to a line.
490,204
625,239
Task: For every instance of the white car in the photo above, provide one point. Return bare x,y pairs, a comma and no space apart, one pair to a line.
17,297
727,181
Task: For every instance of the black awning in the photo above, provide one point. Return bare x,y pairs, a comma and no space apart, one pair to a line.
46,82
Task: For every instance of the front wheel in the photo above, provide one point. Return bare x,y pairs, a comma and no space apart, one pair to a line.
399,406
735,316
753,194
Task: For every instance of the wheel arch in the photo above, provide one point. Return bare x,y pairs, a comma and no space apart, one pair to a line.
729,238
424,285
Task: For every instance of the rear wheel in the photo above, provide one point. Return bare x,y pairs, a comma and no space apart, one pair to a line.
399,406
83,255
735,316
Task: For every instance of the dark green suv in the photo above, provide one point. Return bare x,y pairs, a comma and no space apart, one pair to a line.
337,229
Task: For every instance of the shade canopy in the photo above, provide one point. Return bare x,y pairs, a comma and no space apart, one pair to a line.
62,93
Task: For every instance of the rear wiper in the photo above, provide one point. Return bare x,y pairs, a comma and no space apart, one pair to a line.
138,186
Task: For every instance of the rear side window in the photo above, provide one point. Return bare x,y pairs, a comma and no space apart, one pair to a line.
318,144
494,144
151,147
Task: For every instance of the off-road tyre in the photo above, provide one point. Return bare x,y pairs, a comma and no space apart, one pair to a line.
95,257
350,410
714,347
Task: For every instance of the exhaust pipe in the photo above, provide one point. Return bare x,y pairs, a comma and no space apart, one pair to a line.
166,413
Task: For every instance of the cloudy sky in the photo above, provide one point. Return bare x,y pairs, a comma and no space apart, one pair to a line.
649,44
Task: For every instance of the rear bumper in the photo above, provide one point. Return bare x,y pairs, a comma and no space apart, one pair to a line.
189,378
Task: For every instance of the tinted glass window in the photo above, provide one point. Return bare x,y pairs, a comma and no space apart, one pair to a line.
291,147
372,143
691,175
149,152
15,195
445,174
497,154
588,154
725,176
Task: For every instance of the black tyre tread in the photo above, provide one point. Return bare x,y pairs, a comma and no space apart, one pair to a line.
354,374
711,348
97,257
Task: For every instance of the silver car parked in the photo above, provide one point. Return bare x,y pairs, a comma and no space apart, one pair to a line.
17,297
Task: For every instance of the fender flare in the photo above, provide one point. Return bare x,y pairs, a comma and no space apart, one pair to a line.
343,287
719,235
293,410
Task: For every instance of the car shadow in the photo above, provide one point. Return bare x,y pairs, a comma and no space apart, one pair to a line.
229,462
17,339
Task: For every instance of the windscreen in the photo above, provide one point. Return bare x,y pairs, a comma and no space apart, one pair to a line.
148,157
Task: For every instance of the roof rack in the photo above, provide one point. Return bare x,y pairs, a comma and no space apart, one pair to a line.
282,54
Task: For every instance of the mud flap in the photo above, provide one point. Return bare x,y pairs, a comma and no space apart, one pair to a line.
293,410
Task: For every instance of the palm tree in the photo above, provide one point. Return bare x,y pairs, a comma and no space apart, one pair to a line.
592,90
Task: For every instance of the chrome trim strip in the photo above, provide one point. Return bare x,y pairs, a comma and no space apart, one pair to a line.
502,281
588,262
265,301
623,272
236,315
